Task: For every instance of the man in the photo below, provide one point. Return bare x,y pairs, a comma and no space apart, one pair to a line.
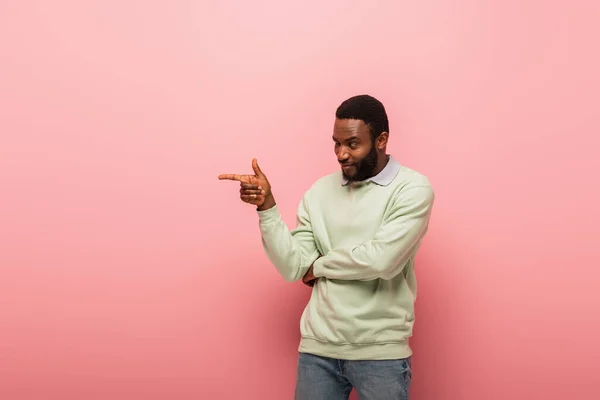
357,235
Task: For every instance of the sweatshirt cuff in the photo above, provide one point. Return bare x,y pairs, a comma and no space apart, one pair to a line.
270,216
318,268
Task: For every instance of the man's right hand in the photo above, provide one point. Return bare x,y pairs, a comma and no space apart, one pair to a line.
309,278
254,189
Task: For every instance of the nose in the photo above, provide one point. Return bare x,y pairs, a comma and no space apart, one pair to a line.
342,156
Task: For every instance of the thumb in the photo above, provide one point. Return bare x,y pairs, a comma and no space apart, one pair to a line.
257,169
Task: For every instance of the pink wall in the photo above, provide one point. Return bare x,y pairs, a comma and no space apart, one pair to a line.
128,271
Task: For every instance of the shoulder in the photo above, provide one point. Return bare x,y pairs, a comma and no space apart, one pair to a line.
325,184
322,188
412,186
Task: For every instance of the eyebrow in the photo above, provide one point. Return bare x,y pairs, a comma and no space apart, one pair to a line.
354,137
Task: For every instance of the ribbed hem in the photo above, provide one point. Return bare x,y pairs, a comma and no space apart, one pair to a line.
383,351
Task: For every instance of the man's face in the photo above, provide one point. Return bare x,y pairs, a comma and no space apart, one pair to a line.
355,149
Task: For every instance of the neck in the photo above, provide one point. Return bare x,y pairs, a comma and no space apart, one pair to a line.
382,161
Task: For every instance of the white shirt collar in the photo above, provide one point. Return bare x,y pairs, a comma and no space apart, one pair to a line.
386,176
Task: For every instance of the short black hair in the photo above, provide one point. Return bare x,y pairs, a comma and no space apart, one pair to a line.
367,109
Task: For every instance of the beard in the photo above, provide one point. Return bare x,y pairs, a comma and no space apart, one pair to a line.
365,168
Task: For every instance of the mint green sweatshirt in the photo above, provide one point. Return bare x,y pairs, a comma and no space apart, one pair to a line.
362,239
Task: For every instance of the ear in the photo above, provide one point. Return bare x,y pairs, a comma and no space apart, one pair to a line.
382,140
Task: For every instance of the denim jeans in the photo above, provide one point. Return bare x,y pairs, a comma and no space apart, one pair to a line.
321,378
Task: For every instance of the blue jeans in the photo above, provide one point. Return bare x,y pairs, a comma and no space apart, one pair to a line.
321,378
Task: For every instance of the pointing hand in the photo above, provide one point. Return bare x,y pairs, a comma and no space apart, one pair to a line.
254,189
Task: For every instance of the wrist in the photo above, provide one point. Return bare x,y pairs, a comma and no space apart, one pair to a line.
268,203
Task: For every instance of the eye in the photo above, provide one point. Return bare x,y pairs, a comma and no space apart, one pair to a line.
353,145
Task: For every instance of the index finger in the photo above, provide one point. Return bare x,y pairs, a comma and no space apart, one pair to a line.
233,177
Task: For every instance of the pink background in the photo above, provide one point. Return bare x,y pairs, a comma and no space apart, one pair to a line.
128,271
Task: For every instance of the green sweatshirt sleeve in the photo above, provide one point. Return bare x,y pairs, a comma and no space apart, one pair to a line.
384,256
291,252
